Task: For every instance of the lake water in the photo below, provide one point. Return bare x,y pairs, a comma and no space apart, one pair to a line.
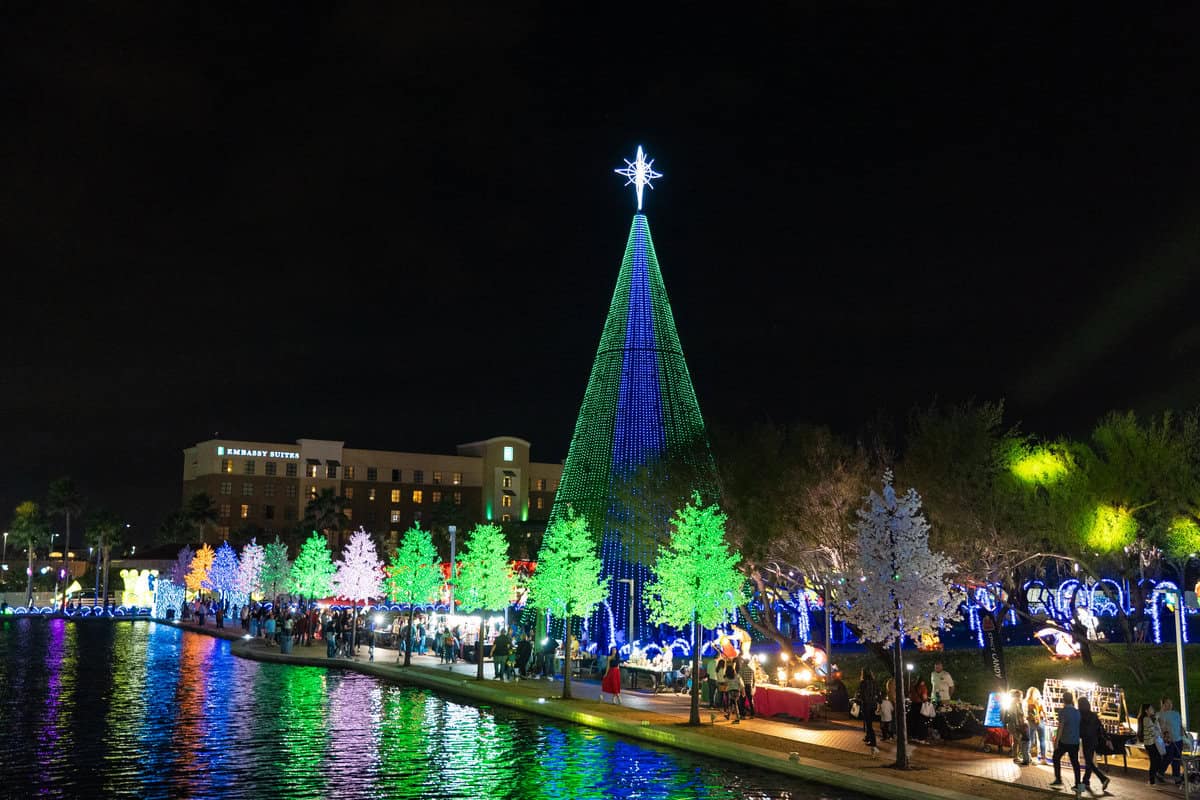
135,709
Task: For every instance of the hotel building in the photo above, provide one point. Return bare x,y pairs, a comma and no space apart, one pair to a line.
266,485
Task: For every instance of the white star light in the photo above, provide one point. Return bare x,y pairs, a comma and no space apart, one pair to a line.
639,172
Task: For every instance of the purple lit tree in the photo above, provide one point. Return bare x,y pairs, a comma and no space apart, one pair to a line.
359,574
182,566
223,574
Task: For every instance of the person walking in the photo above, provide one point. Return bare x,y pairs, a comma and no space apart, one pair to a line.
917,720
329,632
611,682
501,647
868,699
1090,731
1066,741
733,685
1150,735
1171,727
746,673
524,651
1035,714
887,710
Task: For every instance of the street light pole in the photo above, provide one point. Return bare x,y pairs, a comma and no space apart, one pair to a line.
629,628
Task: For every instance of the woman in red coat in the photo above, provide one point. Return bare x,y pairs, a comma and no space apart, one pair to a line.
611,683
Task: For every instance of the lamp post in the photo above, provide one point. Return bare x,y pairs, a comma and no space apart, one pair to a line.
629,629
4,558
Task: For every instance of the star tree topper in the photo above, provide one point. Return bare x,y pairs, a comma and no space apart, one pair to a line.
639,172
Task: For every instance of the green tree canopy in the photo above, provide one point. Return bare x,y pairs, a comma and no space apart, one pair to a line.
312,573
567,579
486,581
276,569
696,579
414,575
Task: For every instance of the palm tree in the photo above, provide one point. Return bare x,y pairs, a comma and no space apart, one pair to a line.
29,527
104,531
327,513
63,498
201,512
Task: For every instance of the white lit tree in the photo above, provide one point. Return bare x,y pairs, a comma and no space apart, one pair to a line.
249,579
414,576
182,566
486,581
696,579
359,574
223,574
567,579
901,587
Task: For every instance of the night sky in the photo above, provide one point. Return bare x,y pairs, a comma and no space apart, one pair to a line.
401,228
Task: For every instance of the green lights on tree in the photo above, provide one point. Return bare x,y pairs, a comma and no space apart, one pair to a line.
696,580
486,581
567,579
1112,528
1183,538
414,575
1040,465
312,573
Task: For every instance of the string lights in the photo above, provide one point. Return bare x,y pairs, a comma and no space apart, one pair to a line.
638,422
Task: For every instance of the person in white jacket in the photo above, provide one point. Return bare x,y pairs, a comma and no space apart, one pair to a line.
941,684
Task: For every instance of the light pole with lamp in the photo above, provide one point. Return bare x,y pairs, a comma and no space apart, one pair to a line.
629,628
4,558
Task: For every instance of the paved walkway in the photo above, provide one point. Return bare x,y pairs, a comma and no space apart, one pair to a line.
841,735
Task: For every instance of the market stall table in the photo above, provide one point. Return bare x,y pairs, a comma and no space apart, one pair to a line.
958,721
771,700
655,675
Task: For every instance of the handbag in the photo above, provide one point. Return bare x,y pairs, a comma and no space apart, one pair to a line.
1160,745
927,710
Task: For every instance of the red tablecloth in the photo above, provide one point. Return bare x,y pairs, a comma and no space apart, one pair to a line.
772,700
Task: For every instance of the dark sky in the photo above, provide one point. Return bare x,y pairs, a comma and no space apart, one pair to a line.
400,227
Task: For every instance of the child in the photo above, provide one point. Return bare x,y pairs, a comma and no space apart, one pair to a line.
887,709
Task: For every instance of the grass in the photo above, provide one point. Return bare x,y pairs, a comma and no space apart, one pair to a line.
1030,665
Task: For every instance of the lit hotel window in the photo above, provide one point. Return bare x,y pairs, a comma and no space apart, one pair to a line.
456,478
506,517
311,470
312,492
395,495
395,515
370,494
540,503
418,495
508,481
458,498
245,511
437,479
227,465
540,484
349,492
506,501
435,497
508,452
348,473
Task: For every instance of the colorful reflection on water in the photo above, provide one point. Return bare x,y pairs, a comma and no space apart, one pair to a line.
135,709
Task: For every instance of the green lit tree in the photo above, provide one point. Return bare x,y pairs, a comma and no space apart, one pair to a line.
414,575
486,581
567,579
276,569
312,573
28,527
696,580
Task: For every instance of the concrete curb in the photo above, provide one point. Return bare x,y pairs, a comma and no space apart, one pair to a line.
813,770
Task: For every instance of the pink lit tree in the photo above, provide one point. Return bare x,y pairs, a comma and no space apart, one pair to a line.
359,575
249,579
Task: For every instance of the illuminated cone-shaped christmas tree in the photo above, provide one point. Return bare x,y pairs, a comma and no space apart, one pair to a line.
639,447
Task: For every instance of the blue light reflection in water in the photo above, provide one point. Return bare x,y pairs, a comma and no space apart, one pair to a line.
134,709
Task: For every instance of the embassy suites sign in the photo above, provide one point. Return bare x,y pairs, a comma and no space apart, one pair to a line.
242,451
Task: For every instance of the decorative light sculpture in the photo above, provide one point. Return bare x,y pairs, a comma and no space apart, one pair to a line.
640,173
639,410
